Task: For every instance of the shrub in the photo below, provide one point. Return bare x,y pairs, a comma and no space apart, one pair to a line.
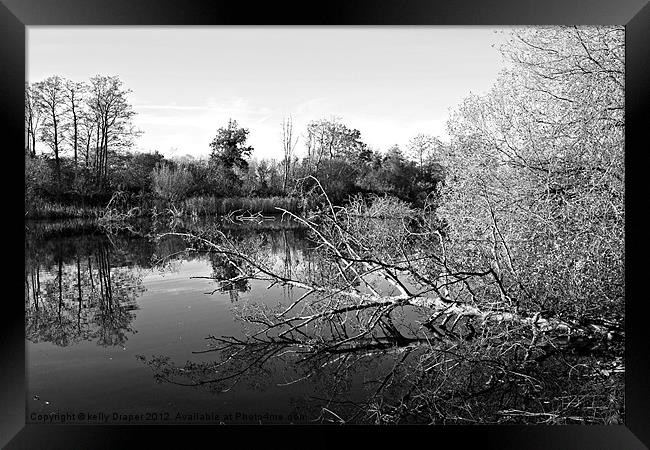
171,183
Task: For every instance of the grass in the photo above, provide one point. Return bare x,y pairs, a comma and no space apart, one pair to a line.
221,206
47,210
202,206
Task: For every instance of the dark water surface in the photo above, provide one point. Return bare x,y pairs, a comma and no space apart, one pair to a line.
94,302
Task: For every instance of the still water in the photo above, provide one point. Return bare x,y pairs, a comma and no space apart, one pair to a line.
97,306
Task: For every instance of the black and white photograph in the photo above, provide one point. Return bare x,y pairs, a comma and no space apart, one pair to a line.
359,225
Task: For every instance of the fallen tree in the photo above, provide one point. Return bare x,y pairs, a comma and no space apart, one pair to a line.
388,287
502,300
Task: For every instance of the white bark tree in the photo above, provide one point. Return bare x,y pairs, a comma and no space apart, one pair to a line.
535,187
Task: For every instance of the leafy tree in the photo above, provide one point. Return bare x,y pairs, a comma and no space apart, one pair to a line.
204,176
263,172
229,146
338,178
135,171
329,139
229,151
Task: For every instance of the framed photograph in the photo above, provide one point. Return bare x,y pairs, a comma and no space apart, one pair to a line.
271,218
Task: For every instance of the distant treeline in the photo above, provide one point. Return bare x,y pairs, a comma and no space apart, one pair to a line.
78,154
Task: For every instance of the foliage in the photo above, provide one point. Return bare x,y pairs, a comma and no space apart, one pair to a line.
536,190
88,127
423,148
329,138
75,291
92,121
133,171
222,206
500,299
171,183
395,175
228,146
38,179
380,286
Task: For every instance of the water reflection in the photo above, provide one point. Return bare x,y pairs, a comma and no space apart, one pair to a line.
83,286
78,288
284,249
192,323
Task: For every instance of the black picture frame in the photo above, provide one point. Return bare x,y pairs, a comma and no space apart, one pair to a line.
15,15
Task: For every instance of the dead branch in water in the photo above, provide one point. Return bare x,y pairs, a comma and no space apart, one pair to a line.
386,290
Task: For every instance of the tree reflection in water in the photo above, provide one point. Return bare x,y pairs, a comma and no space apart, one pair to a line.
347,374
349,345
75,289
385,331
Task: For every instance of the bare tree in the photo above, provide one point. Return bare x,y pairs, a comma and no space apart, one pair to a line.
74,96
87,127
536,176
392,287
422,147
50,95
288,147
108,104
33,117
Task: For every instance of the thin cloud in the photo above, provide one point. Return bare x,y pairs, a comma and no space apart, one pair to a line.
390,83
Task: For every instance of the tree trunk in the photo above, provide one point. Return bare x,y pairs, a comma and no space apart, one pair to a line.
96,161
56,150
74,121
104,160
87,147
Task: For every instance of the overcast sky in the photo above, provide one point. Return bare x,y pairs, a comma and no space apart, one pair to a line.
390,83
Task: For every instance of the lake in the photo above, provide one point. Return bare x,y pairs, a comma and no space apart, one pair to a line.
105,321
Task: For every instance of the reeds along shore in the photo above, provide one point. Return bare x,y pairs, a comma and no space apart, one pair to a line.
204,205
220,206
47,210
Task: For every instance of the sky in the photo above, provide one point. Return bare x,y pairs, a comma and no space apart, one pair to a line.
390,83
